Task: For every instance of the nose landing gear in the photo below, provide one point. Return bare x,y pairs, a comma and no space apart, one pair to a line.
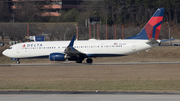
18,62
16,59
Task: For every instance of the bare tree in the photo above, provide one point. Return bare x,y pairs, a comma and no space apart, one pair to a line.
5,13
131,31
27,12
90,9
14,31
35,29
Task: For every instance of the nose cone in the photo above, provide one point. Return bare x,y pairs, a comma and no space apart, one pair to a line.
5,53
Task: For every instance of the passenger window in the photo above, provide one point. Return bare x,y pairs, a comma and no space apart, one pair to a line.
10,48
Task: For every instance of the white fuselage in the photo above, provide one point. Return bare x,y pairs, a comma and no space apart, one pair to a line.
92,48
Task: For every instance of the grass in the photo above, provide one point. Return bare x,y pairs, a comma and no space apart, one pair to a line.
159,77
91,78
81,85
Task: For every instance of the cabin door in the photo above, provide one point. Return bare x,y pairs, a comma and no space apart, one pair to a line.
18,49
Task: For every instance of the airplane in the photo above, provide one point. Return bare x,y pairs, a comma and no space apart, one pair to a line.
78,50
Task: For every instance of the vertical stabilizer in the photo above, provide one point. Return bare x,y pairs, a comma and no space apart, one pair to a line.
152,29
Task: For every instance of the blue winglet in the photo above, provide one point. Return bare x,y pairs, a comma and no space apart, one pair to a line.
72,41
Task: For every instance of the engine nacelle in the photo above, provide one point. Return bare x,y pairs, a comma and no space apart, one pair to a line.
57,57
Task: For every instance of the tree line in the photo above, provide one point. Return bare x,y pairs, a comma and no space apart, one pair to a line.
131,13
134,12
32,12
65,31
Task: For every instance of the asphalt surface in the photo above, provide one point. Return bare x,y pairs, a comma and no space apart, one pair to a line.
87,93
78,64
85,96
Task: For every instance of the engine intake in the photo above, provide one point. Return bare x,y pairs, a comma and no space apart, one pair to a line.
57,57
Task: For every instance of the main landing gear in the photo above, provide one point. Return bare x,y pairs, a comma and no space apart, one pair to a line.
89,60
79,61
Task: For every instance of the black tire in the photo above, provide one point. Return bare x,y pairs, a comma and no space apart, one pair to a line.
89,60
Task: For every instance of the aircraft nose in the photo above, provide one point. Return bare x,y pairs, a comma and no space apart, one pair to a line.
5,52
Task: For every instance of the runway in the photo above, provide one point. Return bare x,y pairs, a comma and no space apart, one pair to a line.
87,93
90,97
81,64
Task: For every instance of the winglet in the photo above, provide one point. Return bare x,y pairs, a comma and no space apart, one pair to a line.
72,41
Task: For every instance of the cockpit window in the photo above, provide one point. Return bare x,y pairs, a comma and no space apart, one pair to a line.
10,48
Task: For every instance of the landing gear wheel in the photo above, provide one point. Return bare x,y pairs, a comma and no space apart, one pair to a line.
78,61
18,62
89,60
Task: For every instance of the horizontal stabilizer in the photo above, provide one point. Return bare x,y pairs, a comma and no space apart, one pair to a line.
152,41
167,40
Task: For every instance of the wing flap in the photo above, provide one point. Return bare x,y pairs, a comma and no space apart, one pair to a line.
71,51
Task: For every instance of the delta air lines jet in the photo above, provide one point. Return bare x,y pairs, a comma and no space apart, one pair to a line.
87,49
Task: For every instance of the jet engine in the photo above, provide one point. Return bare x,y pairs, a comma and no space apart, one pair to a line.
57,57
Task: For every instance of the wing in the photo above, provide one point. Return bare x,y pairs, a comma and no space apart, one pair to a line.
71,51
